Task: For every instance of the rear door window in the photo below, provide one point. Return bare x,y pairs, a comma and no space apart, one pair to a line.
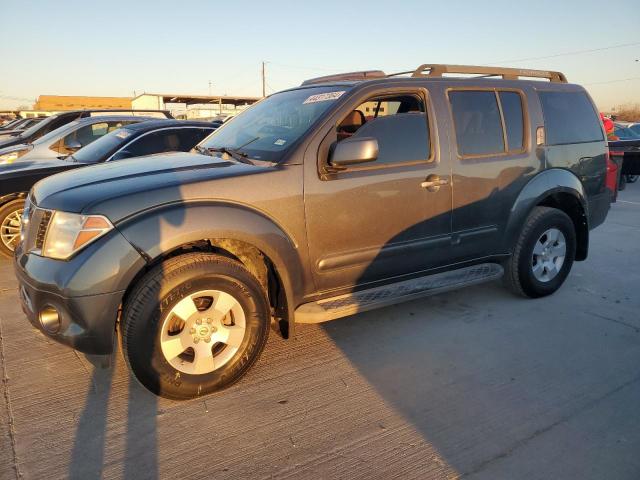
511,103
477,120
569,117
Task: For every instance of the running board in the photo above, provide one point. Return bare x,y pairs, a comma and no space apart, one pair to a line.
361,301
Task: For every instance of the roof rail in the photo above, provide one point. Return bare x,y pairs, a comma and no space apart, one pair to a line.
350,76
437,70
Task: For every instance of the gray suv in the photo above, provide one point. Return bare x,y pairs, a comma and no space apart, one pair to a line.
348,193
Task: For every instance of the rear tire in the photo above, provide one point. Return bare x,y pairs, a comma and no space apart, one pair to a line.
194,325
622,182
543,254
10,226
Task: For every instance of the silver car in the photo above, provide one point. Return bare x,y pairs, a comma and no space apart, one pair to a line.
69,138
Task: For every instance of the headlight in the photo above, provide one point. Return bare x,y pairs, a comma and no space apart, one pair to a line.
10,157
70,232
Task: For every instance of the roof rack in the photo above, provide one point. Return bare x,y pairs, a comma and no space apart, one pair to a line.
350,76
437,70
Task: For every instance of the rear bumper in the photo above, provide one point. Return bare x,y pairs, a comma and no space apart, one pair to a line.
599,208
631,164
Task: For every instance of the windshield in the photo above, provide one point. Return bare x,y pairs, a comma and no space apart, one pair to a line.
267,129
39,125
100,149
54,135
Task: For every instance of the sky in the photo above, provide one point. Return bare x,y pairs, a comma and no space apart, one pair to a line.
119,48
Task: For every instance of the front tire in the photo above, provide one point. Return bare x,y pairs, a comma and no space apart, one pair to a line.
543,254
10,226
194,325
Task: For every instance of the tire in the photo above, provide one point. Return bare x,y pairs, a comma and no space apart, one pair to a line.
622,182
632,178
194,286
525,270
10,226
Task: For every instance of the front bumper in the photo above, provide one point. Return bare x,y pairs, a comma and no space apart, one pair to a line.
86,291
87,324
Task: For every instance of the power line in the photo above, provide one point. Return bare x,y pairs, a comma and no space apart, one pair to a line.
565,54
612,81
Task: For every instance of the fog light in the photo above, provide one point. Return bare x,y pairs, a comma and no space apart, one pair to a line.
50,319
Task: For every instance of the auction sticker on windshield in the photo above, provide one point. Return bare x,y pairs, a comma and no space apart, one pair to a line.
323,97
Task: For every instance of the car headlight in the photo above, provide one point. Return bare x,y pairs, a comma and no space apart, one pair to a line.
70,232
12,156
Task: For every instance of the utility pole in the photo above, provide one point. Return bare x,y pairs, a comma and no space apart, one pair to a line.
209,87
264,82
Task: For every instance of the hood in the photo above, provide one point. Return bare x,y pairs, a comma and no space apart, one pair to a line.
8,140
29,164
151,180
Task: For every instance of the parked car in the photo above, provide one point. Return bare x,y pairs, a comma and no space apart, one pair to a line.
301,211
626,154
132,140
624,132
19,127
634,127
53,122
67,139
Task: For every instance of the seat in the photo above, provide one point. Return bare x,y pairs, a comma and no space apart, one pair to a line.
172,143
351,124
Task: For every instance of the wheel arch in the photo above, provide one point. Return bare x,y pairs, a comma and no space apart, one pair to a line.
10,197
556,188
234,231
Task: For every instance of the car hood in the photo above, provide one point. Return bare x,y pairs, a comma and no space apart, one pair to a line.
151,180
23,165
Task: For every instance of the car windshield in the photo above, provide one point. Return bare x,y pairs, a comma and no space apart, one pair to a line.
37,126
54,135
266,130
100,149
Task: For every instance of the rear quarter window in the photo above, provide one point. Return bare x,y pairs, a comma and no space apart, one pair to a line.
569,117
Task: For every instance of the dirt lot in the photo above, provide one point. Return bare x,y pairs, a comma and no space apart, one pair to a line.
472,384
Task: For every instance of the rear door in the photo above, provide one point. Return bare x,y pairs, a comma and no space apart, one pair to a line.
492,161
378,220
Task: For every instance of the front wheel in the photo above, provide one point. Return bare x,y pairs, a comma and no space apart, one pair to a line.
543,254
10,226
194,325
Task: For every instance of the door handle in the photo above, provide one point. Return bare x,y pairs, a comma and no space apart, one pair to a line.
433,183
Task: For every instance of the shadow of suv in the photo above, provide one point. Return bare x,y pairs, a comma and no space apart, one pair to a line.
345,194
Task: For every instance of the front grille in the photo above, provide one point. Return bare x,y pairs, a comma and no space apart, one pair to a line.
35,231
42,229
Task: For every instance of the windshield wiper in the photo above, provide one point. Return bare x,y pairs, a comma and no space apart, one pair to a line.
233,153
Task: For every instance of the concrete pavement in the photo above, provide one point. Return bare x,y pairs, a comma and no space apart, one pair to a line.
470,384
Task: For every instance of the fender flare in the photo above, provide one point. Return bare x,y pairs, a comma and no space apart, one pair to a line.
156,232
542,186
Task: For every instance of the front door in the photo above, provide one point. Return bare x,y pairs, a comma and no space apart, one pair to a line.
386,218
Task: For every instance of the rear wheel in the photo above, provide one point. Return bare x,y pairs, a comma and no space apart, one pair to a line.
543,254
194,325
10,226
622,182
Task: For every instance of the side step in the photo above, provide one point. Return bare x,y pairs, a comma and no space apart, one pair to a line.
361,301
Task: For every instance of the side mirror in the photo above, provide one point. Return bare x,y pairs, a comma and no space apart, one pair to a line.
121,155
72,144
352,151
